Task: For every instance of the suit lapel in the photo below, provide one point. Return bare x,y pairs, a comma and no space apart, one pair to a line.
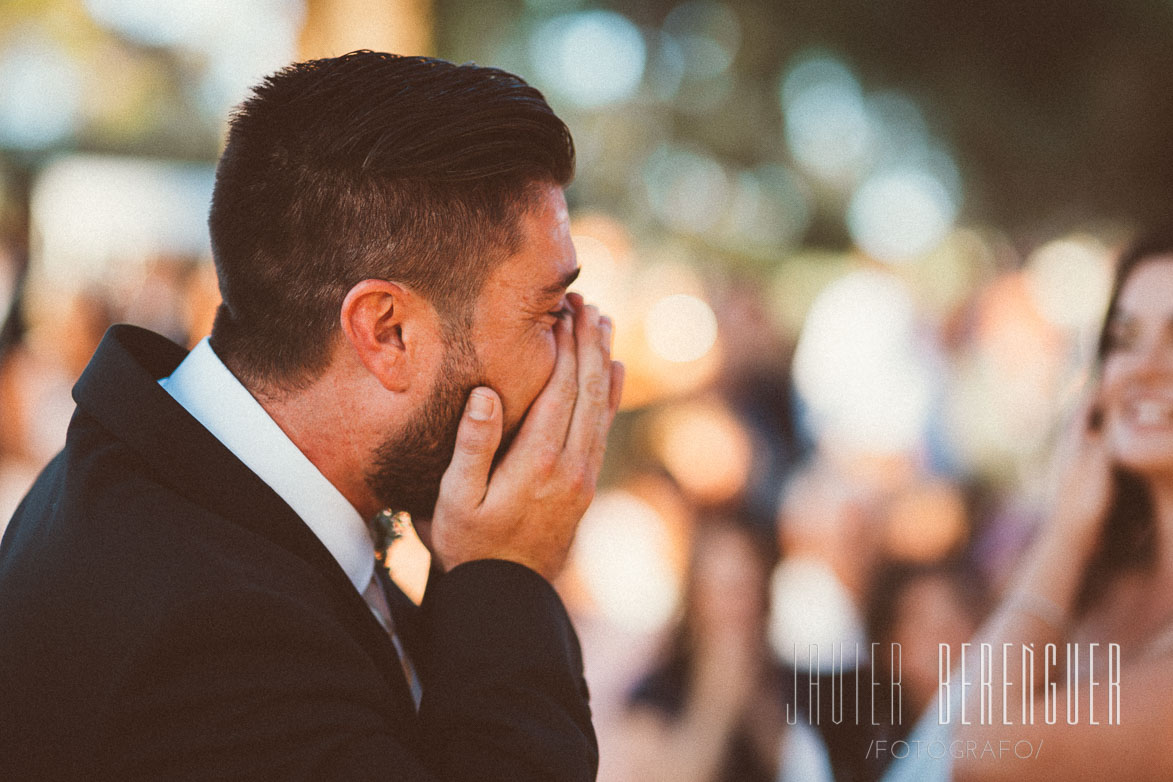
120,389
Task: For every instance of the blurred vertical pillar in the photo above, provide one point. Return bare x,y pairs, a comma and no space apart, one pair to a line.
334,27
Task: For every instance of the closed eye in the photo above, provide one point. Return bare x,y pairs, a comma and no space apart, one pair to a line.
562,307
549,318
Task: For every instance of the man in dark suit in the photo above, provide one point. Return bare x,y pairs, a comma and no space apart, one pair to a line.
189,590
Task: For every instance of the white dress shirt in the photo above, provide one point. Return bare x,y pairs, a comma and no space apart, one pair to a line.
211,393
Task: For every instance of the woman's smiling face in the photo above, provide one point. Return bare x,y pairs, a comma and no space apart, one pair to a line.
1137,390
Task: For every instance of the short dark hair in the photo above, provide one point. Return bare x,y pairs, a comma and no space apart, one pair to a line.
369,165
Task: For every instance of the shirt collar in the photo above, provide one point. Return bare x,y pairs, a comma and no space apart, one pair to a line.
211,393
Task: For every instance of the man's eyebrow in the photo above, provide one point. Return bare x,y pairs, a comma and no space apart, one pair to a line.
562,284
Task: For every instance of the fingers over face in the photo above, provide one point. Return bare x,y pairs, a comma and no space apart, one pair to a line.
465,481
591,410
599,447
618,375
566,427
543,432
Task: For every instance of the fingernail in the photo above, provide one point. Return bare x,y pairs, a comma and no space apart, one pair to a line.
480,406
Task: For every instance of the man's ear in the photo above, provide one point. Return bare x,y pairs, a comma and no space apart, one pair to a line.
375,315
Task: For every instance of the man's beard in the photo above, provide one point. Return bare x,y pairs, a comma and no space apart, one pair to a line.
409,464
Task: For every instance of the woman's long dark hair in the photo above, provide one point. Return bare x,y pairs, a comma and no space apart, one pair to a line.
1128,540
679,649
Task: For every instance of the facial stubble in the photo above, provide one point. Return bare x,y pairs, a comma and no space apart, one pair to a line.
409,464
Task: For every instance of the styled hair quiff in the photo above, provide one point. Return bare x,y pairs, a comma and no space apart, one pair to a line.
369,165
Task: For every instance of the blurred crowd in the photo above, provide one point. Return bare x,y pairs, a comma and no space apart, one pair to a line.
856,293
756,534
50,332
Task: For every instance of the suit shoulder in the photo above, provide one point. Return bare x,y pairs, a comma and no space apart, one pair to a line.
101,522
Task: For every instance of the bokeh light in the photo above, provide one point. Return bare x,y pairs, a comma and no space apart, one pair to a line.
812,610
797,282
688,190
100,218
158,24
944,278
708,35
1069,280
828,130
680,328
622,552
238,42
1006,387
605,257
242,54
592,58
704,448
925,523
897,215
40,91
650,376
859,368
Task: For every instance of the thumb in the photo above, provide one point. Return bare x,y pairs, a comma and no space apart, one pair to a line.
464,482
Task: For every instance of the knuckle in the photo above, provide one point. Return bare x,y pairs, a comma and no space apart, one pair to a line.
596,389
568,385
578,480
546,461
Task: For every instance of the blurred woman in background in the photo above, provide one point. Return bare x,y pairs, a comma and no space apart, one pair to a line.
1101,569
919,607
711,708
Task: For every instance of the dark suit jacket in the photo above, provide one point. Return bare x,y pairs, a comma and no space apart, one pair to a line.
165,615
